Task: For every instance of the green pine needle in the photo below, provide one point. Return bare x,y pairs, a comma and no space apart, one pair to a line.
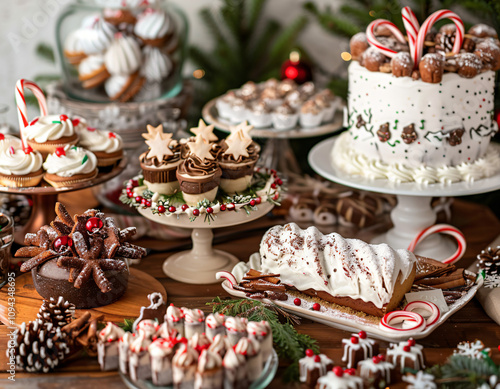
46,52
288,343
127,325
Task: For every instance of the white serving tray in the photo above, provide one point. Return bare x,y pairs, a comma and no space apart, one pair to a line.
349,322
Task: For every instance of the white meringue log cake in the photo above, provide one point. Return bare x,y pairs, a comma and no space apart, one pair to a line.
349,272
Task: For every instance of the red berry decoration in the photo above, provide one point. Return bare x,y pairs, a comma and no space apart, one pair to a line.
223,207
309,352
317,358
316,306
276,196
94,224
350,371
279,181
130,194
111,135
2,136
138,199
258,200
161,209
143,201
184,207
210,210
273,186
297,301
134,183
63,118
338,371
406,348
382,357
196,212
60,151
354,340
376,359
148,203
252,202
75,122
91,129
171,209
411,342
362,334
62,242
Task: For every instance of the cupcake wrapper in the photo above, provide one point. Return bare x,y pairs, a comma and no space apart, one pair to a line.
20,181
310,119
69,181
160,176
232,171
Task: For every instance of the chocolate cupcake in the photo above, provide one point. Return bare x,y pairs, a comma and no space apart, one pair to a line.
237,160
159,164
199,174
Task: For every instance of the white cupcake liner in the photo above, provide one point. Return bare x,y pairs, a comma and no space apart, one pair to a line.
260,120
237,115
284,121
223,108
310,119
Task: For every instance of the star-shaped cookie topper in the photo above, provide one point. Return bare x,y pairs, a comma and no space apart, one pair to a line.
158,146
207,132
200,148
152,131
237,146
244,127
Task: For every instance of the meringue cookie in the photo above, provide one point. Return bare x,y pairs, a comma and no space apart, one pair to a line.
123,56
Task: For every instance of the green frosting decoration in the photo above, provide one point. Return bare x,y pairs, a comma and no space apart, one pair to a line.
85,159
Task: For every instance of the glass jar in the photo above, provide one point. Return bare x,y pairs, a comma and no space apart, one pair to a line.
121,50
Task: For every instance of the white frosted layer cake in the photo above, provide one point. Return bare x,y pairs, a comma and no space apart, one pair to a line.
427,119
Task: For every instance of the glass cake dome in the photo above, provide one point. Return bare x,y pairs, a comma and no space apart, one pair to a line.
121,50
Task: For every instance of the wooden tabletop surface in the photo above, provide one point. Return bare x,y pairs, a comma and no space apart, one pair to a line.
477,222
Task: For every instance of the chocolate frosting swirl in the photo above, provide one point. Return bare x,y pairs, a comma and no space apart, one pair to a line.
176,149
253,153
193,166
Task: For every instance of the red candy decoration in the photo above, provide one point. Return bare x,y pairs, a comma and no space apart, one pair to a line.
130,194
273,185
309,352
362,334
34,121
252,202
75,122
60,151
148,203
2,136
27,149
11,150
382,357
338,371
407,348
297,301
134,183
161,209
258,200
171,209
111,135
63,118
354,340
350,371
196,212
62,241
411,342
210,210
94,224
223,207
317,358
184,207
376,359
91,129
316,306
138,199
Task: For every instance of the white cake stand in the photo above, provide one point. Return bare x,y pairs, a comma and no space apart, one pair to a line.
413,212
199,265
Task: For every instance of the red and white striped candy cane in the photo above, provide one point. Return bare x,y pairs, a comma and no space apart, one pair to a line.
22,111
429,22
444,229
372,39
412,26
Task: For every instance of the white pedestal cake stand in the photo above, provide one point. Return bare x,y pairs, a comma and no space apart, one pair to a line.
413,212
199,265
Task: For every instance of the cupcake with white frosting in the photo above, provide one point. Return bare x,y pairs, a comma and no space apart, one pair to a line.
175,317
220,344
46,133
96,36
139,363
154,27
124,56
7,141
69,165
20,168
92,71
107,146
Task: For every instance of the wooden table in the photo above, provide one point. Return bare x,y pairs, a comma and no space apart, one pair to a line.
477,222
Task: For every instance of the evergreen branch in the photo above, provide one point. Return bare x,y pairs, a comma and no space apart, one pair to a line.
46,78
261,45
289,344
127,325
213,26
254,12
46,52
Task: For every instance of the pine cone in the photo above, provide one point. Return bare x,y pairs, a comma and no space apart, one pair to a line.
40,346
488,257
58,313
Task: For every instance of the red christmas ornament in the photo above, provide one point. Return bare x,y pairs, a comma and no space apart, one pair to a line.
295,69
309,352
297,301
94,224
62,242
60,151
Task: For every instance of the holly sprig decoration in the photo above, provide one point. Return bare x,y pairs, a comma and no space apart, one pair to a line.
288,343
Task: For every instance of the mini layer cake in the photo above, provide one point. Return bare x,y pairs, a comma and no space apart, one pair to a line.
107,346
159,164
261,332
251,350
194,322
209,374
340,379
139,359
236,328
348,272
184,366
237,160
312,367
175,318
376,371
161,352
358,348
235,370
406,355
199,174
214,325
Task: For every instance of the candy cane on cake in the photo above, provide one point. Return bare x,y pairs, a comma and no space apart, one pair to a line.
427,25
412,26
444,229
372,39
22,110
